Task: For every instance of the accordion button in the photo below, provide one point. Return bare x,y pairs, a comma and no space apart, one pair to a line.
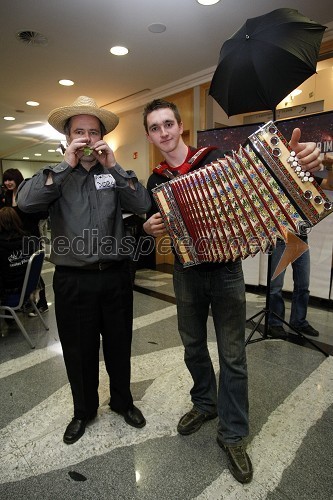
327,205
318,200
272,129
307,194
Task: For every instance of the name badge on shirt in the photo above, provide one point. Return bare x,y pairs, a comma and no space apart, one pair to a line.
104,181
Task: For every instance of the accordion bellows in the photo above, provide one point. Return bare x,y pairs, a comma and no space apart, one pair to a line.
238,206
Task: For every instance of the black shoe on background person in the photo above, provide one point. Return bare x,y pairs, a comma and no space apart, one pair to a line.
277,332
42,310
307,330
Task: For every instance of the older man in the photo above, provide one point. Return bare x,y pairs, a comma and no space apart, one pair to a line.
85,195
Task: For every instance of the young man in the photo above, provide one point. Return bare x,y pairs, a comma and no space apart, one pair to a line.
85,195
219,286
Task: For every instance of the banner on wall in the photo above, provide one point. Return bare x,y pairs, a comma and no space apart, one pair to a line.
315,128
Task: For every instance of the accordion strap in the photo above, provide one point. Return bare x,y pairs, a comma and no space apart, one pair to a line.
164,169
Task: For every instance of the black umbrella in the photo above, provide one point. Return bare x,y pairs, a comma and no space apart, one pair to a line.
265,60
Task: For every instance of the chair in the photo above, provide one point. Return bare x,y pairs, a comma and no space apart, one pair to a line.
15,302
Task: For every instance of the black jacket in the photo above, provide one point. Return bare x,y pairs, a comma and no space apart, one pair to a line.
13,263
30,221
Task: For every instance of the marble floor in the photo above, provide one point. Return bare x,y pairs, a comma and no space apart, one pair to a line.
291,415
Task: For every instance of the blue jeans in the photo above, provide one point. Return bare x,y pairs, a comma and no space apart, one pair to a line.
223,289
300,295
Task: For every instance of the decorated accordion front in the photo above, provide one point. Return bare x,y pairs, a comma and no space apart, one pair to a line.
238,206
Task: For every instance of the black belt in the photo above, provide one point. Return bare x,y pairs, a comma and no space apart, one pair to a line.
98,266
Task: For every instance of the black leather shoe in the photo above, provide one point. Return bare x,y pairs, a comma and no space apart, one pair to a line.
307,330
193,420
133,417
277,332
76,428
239,462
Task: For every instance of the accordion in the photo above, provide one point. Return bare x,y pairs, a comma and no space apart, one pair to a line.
239,205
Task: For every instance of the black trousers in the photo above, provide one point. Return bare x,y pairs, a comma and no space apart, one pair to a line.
90,305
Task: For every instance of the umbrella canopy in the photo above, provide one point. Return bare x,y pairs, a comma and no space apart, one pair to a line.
267,58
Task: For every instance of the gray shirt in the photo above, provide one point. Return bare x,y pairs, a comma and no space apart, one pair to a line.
85,209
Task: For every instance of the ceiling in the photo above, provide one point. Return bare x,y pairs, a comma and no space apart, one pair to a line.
79,35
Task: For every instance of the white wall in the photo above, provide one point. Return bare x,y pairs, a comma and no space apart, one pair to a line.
128,138
26,167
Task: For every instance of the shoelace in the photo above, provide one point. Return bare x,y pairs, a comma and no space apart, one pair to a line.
240,455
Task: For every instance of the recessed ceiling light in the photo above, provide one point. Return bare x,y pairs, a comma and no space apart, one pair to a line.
29,37
67,83
9,118
119,51
32,103
51,150
38,154
25,158
157,28
207,2
295,92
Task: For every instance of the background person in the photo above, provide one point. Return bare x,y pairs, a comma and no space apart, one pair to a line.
85,196
300,295
197,288
12,178
13,256
301,280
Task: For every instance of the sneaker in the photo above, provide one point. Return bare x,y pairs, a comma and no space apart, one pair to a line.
307,330
239,462
193,420
277,332
42,310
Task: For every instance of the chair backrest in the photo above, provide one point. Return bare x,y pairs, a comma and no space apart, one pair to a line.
30,282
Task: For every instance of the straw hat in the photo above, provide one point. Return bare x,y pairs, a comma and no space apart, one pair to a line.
82,106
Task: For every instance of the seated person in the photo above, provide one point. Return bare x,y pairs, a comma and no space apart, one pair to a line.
13,259
12,178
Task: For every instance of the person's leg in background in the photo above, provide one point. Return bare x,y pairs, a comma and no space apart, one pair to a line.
42,302
301,295
276,301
